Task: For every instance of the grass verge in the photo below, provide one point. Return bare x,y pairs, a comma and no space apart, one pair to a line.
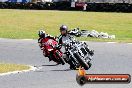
21,24
12,67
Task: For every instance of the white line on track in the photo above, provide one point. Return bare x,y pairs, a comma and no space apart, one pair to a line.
26,39
111,42
129,43
32,68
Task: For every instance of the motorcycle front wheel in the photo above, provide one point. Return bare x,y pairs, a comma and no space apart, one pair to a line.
60,58
82,62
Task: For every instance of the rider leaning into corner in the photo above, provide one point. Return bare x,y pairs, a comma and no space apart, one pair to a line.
43,35
64,36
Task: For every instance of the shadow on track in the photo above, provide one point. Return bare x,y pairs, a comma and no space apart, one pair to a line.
50,65
62,70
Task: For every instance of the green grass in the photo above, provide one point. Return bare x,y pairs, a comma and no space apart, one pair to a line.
12,67
22,24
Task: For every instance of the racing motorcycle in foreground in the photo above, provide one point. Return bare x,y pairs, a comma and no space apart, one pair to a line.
78,54
50,49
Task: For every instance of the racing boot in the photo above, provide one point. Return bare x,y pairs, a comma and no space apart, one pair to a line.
72,66
89,64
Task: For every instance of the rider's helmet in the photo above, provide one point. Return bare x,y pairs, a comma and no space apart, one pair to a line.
41,33
63,29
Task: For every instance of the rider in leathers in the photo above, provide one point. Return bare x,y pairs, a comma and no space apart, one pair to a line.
43,35
66,36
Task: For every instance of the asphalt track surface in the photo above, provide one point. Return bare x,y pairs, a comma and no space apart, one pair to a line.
115,58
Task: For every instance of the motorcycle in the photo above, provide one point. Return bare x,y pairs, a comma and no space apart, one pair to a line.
78,54
50,50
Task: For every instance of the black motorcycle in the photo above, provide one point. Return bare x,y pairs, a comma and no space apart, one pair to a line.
78,54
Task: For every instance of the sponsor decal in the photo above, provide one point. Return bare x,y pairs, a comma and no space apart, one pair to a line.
79,4
83,78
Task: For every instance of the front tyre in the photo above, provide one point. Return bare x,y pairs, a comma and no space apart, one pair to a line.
82,62
60,58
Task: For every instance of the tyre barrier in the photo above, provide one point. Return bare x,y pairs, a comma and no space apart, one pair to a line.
65,5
